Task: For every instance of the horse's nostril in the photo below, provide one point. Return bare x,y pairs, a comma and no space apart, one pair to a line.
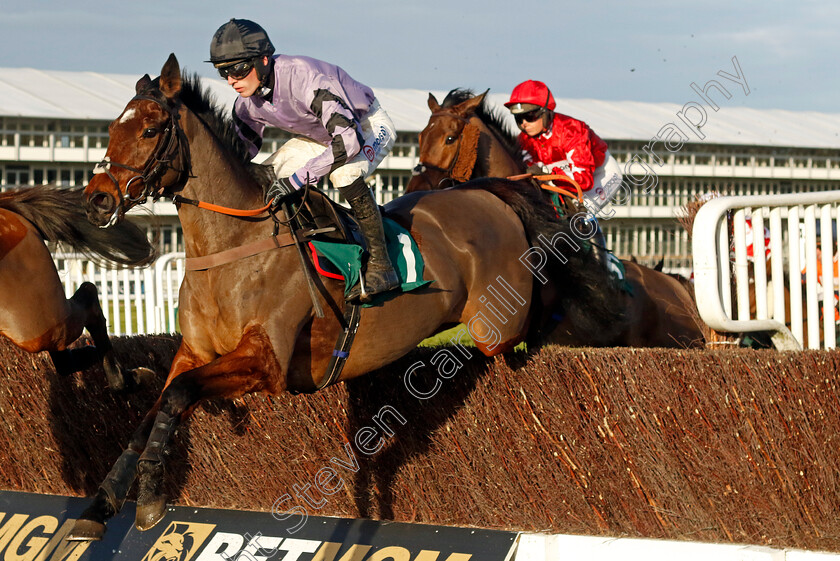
101,203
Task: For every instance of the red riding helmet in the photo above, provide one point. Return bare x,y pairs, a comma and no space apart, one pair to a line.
530,95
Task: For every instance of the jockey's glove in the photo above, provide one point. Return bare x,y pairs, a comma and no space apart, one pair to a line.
279,191
536,169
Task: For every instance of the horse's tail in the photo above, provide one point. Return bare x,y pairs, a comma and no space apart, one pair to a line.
588,293
58,215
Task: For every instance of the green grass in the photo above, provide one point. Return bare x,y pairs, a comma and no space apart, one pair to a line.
121,306
443,339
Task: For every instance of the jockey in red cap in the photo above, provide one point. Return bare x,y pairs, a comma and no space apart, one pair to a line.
556,143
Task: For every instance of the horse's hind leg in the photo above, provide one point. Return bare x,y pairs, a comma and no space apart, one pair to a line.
88,298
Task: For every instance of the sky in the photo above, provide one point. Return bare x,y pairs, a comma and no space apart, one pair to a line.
632,50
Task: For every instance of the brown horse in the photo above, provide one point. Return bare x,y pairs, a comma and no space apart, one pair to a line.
464,140
249,325
34,313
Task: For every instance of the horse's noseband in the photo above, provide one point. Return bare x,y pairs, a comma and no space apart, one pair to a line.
172,143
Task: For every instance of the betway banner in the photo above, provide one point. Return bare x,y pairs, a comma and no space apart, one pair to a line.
33,528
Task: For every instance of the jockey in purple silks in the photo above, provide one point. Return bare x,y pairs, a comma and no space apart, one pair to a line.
346,134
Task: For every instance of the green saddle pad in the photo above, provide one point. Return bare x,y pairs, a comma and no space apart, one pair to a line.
616,268
402,249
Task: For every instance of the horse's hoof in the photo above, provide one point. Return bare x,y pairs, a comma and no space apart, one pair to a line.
142,376
86,530
150,514
151,501
113,373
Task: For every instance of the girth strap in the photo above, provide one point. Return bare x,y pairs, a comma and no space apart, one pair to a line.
352,316
350,325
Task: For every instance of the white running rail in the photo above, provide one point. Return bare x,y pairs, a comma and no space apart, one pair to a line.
134,301
801,227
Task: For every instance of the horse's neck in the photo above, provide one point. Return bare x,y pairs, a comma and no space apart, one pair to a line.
494,159
218,179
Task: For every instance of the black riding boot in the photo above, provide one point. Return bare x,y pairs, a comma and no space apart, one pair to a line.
599,247
379,274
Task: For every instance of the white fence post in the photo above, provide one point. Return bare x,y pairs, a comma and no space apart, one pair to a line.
134,302
811,288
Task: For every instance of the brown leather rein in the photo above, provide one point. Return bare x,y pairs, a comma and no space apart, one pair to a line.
544,179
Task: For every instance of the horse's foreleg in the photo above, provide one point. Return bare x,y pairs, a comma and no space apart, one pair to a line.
86,312
251,367
87,299
114,489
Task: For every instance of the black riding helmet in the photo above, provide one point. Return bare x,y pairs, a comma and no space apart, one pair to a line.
241,40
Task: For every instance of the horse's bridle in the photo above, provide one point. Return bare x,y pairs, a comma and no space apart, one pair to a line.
173,143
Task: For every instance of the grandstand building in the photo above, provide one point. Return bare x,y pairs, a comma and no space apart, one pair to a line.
54,128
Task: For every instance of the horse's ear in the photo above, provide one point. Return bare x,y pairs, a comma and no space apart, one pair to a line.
142,83
433,103
170,77
468,107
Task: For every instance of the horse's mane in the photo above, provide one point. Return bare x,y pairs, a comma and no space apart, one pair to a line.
494,118
58,215
588,293
203,103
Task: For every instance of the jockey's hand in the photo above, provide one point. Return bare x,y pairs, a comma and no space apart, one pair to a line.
536,169
279,191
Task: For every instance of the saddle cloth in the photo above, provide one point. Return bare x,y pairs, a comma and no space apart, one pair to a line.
346,260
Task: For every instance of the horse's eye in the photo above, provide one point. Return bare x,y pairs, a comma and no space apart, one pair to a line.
450,139
150,132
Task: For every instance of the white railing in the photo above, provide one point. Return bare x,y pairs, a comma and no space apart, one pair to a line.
134,301
785,294
548,547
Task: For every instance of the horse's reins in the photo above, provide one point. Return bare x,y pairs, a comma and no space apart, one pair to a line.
221,209
544,179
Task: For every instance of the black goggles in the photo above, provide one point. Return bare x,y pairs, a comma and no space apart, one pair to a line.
529,116
237,70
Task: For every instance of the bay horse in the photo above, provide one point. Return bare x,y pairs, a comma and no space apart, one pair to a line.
249,325
463,141
34,312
